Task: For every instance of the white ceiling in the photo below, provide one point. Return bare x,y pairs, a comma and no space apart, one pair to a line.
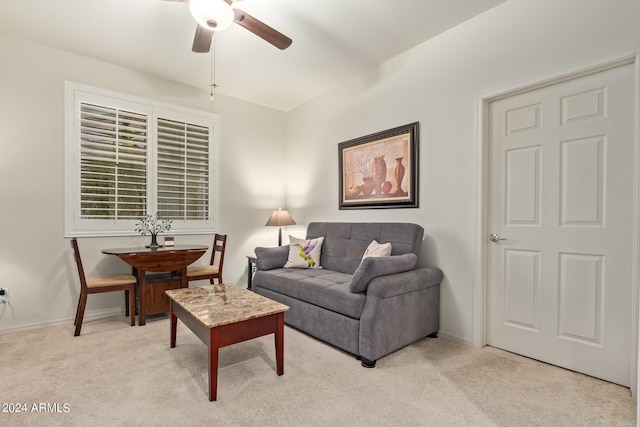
332,39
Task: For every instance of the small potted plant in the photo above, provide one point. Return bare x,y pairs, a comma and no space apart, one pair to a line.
150,224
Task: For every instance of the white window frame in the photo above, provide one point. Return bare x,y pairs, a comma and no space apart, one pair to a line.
75,94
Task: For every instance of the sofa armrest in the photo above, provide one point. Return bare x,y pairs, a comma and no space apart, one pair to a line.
373,267
270,258
399,309
402,283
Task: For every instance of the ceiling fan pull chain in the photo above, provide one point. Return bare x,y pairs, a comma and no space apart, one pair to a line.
213,84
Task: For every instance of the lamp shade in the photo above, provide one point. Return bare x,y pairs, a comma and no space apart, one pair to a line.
280,218
214,15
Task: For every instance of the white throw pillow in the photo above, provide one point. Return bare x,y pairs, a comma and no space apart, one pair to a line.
304,253
377,249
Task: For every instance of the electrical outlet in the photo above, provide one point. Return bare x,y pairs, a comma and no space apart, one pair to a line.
3,295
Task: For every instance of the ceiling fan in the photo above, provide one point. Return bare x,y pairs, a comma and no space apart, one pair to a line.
218,15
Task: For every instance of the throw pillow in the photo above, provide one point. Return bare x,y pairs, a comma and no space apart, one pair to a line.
304,253
377,249
272,257
373,267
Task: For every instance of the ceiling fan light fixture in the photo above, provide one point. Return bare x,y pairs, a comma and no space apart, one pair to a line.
214,15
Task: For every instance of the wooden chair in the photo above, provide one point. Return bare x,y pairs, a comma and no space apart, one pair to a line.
211,271
105,283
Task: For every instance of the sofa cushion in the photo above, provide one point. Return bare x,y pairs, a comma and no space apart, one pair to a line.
304,253
345,242
324,288
373,267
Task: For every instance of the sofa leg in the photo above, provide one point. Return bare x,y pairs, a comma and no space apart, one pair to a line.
433,335
366,363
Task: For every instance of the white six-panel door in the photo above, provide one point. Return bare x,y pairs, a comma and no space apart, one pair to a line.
561,167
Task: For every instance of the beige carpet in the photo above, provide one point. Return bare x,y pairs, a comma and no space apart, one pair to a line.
114,374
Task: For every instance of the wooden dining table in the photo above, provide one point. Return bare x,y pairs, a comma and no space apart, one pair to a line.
162,259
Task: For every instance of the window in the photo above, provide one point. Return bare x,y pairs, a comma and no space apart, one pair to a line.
183,170
113,163
127,156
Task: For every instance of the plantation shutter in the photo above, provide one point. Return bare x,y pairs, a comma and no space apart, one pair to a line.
127,157
113,163
183,170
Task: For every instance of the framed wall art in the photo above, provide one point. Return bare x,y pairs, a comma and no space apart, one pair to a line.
380,170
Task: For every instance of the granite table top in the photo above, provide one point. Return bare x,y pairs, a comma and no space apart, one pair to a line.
223,304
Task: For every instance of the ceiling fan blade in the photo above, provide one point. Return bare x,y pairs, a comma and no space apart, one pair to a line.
262,30
202,40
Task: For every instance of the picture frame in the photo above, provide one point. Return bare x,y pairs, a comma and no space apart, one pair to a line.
390,158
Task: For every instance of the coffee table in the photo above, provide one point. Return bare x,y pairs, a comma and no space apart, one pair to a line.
225,314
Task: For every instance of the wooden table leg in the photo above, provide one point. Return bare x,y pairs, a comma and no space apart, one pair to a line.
132,308
213,364
279,339
142,284
183,278
174,325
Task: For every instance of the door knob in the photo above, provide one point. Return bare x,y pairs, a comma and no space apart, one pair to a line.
494,237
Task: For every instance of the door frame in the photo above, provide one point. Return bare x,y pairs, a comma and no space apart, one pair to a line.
481,285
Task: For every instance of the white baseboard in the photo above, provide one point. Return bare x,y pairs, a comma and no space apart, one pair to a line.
455,338
88,315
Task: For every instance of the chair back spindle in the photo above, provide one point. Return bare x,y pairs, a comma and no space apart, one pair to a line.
219,246
211,271
76,256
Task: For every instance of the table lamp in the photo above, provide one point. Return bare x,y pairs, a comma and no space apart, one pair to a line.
280,218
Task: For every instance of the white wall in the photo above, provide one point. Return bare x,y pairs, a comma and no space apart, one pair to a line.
439,84
35,260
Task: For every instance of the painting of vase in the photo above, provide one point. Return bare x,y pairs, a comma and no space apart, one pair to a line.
368,185
398,173
367,181
379,173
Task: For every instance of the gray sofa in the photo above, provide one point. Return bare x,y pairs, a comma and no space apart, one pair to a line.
368,307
